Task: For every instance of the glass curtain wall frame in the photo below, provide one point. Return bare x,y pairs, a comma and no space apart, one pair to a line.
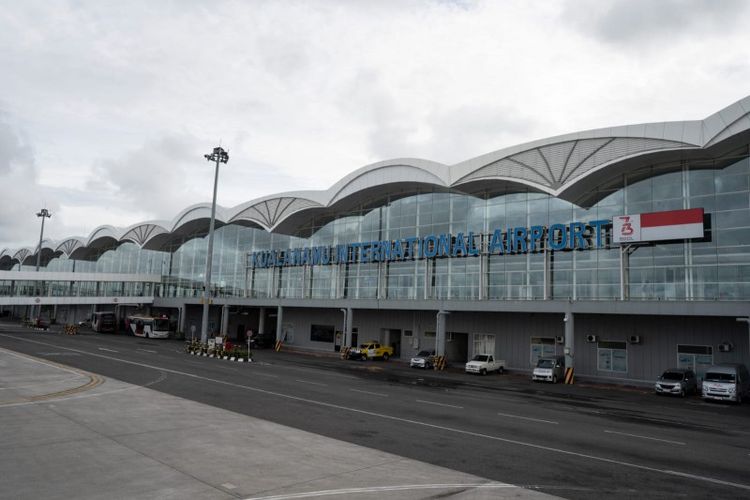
701,270
716,268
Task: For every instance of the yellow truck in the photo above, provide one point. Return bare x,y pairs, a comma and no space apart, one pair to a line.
373,350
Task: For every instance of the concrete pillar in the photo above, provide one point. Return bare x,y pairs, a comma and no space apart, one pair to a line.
279,323
568,320
181,319
262,320
224,320
348,330
54,313
547,274
440,333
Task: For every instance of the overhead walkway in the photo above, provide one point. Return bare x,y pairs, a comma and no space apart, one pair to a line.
24,288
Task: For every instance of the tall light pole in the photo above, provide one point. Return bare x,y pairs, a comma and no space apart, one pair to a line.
219,156
44,214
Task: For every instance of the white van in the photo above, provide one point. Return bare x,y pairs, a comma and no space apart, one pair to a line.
726,382
550,369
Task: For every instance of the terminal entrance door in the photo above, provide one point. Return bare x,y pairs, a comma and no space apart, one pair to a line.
698,358
392,337
457,347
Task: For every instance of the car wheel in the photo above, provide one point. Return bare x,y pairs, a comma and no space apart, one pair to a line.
501,370
554,379
483,372
385,356
739,399
682,393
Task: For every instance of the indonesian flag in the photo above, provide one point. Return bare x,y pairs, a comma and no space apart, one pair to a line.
658,226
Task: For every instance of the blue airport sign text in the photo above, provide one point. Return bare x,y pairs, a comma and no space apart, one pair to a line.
515,240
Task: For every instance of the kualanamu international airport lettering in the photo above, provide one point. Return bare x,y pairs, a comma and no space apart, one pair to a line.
572,236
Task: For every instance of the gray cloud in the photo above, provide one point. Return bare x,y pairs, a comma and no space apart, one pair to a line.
14,153
466,131
110,106
154,180
21,195
643,21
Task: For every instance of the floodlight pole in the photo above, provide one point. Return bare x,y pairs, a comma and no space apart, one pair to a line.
44,214
219,156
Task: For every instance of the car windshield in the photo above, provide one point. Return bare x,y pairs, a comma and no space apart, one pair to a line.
719,377
545,363
672,376
480,357
424,354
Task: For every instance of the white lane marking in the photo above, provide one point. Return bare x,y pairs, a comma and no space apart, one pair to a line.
256,374
708,479
105,349
399,419
146,350
311,383
368,392
644,437
439,404
375,489
529,418
228,486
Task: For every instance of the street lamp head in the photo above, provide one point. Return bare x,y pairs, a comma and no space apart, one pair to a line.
44,213
218,155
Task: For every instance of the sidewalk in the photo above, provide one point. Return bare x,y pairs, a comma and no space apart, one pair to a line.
66,434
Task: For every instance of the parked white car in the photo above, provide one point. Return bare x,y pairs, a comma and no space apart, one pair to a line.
424,360
549,369
484,364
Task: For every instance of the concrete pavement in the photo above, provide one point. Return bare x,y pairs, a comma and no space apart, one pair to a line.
66,433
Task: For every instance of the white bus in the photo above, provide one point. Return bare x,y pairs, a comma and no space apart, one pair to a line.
149,327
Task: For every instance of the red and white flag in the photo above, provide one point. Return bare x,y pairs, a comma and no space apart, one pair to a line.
657,226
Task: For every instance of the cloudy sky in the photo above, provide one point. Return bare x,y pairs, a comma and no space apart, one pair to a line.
107,106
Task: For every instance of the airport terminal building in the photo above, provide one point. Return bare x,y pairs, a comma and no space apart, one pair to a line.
626,248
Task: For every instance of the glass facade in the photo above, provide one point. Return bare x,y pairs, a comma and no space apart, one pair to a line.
715,268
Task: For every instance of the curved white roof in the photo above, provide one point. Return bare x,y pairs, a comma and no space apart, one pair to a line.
568,166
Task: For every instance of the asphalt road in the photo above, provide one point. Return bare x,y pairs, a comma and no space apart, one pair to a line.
573,442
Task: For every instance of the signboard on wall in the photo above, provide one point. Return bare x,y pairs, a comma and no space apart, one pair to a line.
658,226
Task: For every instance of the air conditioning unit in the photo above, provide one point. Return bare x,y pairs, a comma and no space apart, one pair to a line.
726,347
560,339
634,339
592,338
